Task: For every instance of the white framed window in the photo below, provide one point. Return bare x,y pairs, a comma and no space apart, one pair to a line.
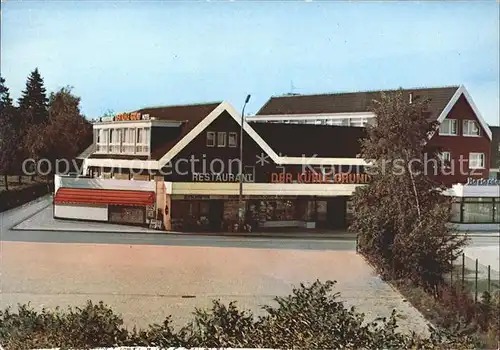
476,160
128,141
221,139
448,127
446,157
104,140
233,139
113,144
210,139
142,140
471,128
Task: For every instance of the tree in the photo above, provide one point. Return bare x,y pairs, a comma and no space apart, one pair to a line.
402,216
33,102
9,132
66,133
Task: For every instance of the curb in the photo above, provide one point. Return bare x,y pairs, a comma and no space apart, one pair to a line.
179,235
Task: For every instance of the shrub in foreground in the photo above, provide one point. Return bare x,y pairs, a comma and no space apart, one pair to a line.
311,317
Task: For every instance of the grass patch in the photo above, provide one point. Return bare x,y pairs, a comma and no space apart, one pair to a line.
454,310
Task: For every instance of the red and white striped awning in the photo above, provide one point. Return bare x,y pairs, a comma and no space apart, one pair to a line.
99,196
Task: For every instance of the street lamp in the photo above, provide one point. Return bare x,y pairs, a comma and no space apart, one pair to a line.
241,207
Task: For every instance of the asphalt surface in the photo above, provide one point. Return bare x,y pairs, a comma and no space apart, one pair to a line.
146,277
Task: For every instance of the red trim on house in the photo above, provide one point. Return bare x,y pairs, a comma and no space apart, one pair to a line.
98,196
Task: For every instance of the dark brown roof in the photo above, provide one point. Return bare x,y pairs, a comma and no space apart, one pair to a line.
191,115
296,140
351,102
163,139
192,112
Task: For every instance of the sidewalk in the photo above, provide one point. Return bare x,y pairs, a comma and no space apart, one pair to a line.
44,221
38,218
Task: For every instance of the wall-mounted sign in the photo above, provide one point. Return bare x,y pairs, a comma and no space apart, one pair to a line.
316,177
483,182
150,212
214,177
228,197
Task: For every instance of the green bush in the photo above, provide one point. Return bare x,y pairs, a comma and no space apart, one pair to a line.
19,196
311,317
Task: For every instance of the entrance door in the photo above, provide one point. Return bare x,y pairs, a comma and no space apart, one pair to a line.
215,215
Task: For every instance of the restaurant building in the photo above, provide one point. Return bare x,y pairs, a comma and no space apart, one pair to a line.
180,166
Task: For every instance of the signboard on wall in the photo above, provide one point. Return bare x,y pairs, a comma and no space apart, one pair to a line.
215,177
127,116
228,197
483,182
317,177
150,212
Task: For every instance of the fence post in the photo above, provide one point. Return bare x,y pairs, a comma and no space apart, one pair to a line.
475,293
463,270
489,279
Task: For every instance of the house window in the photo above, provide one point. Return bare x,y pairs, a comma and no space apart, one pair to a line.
448,127
210,139
476,161
233,139
471,128
446,157
221,139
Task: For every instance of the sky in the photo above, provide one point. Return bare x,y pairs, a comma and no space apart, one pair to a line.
122,56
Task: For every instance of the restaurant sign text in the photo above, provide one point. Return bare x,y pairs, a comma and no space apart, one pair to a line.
317,177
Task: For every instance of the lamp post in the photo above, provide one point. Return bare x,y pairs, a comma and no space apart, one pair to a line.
241,208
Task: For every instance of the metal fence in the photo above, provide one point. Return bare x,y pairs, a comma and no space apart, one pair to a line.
475,277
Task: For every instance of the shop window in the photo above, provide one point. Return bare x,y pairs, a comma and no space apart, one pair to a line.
210,139
349,210
480,212
310,211
470,128
233,139
476,160
448,127
321,208
456,209
221,139
496,205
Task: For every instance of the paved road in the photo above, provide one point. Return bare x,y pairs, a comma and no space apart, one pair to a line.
147,277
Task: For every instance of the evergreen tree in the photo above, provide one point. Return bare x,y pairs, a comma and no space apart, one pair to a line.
5,100
8,133
33,103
